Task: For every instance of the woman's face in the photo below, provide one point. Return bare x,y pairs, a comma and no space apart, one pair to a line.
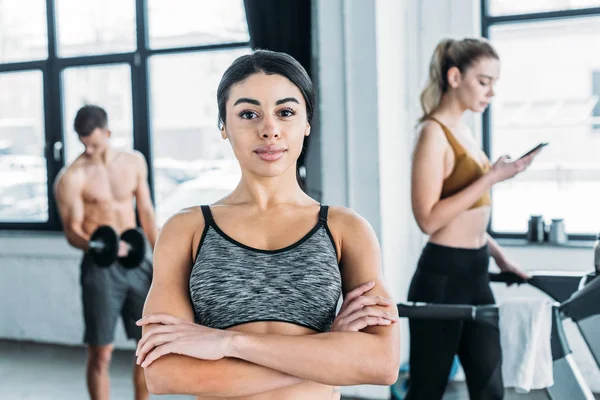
475,88
266,124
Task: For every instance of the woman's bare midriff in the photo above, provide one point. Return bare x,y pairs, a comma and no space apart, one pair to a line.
467,230
300,391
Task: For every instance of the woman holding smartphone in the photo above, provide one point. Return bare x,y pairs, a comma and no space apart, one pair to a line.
451,182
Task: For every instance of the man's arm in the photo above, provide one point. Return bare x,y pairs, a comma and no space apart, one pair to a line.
169,294
144,201
68,190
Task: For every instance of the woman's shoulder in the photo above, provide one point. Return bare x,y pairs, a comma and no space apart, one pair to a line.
184,222
432,130
185,226
339,214
430,138
345,222
354,236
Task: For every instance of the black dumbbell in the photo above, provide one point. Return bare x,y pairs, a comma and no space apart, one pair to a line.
136,243
104,247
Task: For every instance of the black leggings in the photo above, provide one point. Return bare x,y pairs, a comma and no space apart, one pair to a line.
453,276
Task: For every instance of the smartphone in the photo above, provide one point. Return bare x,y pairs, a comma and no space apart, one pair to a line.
536,148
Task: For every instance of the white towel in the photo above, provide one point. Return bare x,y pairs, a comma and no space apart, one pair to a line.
525,329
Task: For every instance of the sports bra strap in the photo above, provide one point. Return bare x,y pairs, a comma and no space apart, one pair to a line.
208,218
455,144
323,215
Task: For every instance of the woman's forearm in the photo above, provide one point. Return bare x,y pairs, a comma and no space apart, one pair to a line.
495,249
228,377
332,358
449,208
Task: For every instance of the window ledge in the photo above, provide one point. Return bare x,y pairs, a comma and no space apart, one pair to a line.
571,244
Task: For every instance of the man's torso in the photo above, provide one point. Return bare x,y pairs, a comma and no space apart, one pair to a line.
108,192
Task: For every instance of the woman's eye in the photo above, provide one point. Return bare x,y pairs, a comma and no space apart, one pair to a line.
247,115
286,113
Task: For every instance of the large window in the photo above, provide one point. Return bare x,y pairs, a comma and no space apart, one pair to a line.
193,23
548,92
154,65
23,35
107,85
95,27
183,112
23,189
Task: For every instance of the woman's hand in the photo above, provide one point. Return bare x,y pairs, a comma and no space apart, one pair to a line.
506,265
176,336
355,313
505,168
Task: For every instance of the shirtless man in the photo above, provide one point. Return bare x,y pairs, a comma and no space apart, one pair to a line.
99,188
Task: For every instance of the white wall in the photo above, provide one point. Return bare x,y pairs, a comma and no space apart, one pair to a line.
40,292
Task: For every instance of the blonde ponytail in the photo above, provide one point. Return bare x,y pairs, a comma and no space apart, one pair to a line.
447,54
432,94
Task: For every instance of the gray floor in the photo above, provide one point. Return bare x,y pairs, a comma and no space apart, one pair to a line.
32,371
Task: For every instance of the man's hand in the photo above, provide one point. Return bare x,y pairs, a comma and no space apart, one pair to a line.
123,249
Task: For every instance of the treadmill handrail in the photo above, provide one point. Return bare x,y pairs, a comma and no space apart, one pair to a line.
506,277
584,303
487,314
418,310
559,285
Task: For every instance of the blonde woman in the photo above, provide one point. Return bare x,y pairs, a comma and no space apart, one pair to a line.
451,182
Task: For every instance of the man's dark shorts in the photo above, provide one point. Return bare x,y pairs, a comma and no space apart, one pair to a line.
108,292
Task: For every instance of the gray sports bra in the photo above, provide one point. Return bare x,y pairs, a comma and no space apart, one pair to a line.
232,284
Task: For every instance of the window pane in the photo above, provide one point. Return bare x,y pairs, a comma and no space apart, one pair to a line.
511,7
547,94
107,86
95,27
184,111
23,190
180,23
23,35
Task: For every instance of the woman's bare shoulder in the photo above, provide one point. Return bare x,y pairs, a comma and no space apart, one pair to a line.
186,225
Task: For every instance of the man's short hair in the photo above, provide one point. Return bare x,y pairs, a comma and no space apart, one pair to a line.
88,118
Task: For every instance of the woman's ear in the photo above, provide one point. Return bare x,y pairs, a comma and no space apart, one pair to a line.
454,77
307,131
223,132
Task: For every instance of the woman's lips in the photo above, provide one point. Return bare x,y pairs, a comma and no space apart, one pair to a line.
270,153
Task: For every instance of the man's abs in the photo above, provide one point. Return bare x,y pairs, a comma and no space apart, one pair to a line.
118,215
108,195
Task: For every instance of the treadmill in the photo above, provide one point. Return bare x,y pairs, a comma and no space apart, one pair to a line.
562,287
582,305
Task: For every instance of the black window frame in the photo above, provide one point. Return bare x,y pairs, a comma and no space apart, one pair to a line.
52,68
486,22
